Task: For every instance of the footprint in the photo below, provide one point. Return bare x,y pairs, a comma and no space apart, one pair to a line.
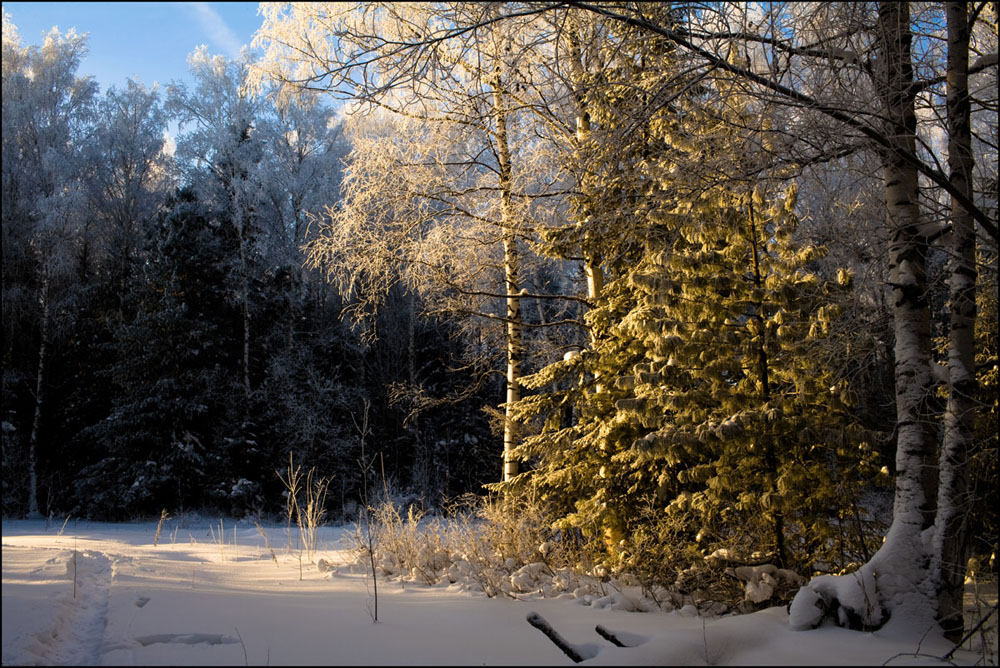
141,601
187,639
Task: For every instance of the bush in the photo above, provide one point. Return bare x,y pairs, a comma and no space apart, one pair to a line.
483,542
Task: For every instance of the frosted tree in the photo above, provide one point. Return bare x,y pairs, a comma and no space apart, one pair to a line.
301,172
136,173
223,141
444,200
46,108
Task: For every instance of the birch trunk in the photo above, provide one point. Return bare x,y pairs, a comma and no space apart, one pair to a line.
951,545
900,575
33,512
592,261
511,263
246,309
914,505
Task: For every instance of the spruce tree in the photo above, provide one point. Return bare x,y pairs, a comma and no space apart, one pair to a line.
704,393
176,365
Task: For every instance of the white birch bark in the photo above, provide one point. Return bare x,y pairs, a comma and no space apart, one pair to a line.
511,263
916,476
898,576
592,262
951,545
33,512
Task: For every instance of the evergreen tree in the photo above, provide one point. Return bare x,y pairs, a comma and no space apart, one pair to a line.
176,365
704,393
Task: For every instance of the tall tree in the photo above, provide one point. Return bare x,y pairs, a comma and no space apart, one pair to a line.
951,542
130,175
703,393
459,144
45,110
906,578
175,370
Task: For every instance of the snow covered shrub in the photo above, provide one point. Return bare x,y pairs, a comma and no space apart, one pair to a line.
501,534
505,547
765,584
518,527
407,549
499,546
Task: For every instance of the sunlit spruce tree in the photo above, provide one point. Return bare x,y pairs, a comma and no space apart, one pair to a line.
704,394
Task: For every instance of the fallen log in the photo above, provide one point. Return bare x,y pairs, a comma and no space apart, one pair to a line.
539,623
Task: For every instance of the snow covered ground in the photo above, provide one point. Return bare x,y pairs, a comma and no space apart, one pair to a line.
196,600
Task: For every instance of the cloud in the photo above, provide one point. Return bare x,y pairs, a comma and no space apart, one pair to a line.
215,27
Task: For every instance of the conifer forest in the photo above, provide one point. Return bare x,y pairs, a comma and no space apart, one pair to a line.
704,284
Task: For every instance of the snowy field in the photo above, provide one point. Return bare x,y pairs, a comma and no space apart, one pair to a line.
197,600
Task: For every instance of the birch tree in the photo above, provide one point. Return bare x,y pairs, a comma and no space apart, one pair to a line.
136,172
45,111
301,172
224,115
452,199
951,544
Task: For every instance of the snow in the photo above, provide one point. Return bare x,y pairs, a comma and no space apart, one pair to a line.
193,600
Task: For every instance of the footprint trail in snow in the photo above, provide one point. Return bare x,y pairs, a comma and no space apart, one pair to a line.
76,634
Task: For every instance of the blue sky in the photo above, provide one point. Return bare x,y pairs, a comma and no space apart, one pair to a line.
148,41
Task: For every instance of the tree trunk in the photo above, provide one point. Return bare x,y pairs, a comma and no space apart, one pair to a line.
951,542
511,263
244,281
914,505
592,262
770,456
43,299
422,464
900,574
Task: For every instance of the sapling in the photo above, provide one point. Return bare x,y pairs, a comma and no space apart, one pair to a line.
291,482
220,541
365,515
311,517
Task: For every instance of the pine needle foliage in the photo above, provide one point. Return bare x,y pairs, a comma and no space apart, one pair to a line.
707,392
